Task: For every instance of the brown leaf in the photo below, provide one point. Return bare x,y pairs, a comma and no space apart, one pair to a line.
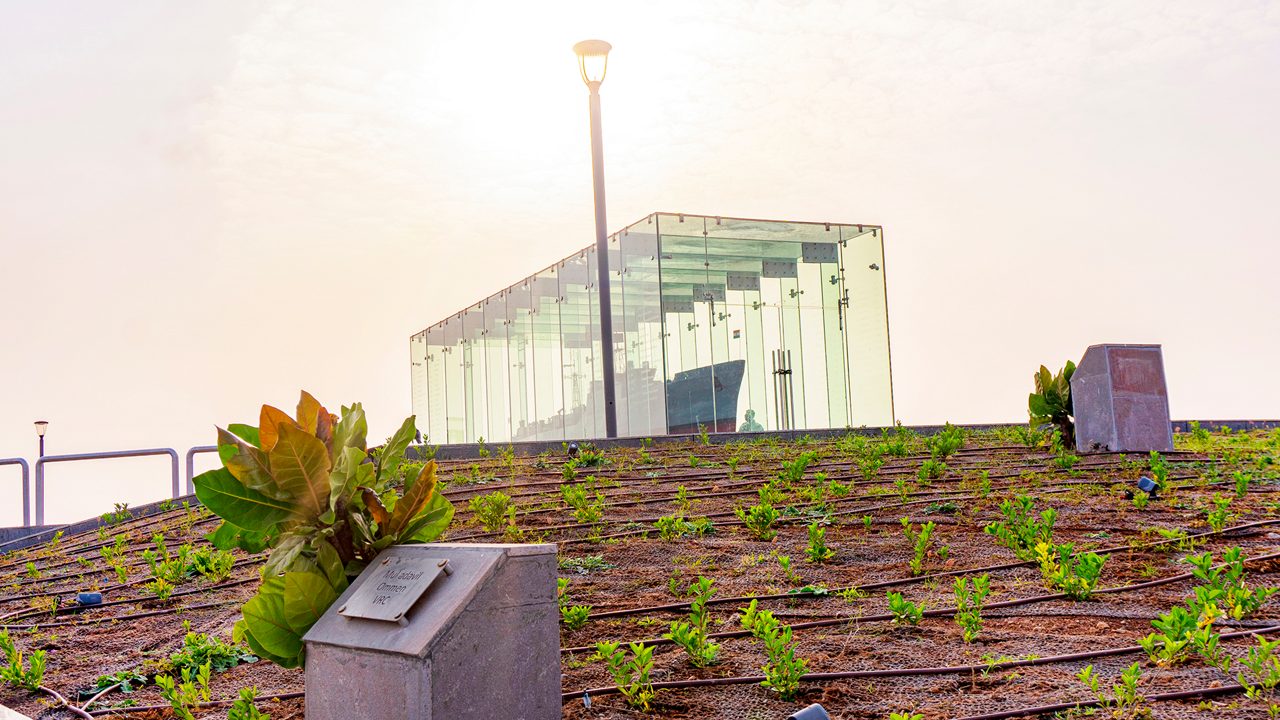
374,504
309,410
416,496
269,422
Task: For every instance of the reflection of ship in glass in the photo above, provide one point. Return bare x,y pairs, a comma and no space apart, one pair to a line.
706,396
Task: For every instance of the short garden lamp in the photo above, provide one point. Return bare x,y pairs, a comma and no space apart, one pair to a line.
41,426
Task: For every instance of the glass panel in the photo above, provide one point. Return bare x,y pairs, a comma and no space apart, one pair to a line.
687,312
455,395
418,378
520,362
437,389
579,327
867,328
495,347
548,378
733,292
645,409
474,376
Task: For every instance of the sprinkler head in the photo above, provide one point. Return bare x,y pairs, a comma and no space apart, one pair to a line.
813,712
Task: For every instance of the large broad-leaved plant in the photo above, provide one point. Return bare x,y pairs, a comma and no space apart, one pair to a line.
310,491
1051,403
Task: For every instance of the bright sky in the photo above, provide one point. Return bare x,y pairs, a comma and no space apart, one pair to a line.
208,206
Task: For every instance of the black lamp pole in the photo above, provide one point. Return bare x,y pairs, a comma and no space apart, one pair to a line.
592,62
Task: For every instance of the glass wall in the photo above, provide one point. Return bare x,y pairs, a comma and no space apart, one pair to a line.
719,323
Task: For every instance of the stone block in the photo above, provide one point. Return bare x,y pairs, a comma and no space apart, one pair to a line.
1121,400
482,642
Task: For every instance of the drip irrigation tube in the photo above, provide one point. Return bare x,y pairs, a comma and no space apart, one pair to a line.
210,704
906,672
920,578
944,612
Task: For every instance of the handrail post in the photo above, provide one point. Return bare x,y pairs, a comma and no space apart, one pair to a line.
191,463
26,486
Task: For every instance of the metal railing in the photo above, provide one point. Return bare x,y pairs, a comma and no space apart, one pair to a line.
173,457
191,463
26,487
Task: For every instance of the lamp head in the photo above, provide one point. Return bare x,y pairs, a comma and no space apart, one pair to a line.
593,61
41,425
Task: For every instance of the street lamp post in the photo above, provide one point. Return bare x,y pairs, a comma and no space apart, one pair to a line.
41,426
593,61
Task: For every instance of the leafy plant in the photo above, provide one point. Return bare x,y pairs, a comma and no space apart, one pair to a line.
944,443
126,681
1029,435
1263,666
1172,643
1236,598
631,675
26,674
692,636
1063,569
782,669
575,616
818,552
904,611
494,511
672,527
1124,700
969,604
1242,483
118,515
244,708
906,716
920,542
1159,470
1220,515
185,696
1050,404
759,520
1020,530
931,470
310,490
200,649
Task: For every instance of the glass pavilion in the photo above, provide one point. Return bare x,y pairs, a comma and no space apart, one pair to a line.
724,323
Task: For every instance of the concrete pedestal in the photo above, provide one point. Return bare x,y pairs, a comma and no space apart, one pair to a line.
1120,400
482,642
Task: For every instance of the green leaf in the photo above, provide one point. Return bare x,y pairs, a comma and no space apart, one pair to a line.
306,597
248,464
265,619
300,464
393,452
330,564
350,431
1037,405
248,433
350,472
230,500
431,522
284,554
228,537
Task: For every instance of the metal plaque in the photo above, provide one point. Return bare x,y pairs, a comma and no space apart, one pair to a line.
708,292
742,281
818,252
778,269
393,587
